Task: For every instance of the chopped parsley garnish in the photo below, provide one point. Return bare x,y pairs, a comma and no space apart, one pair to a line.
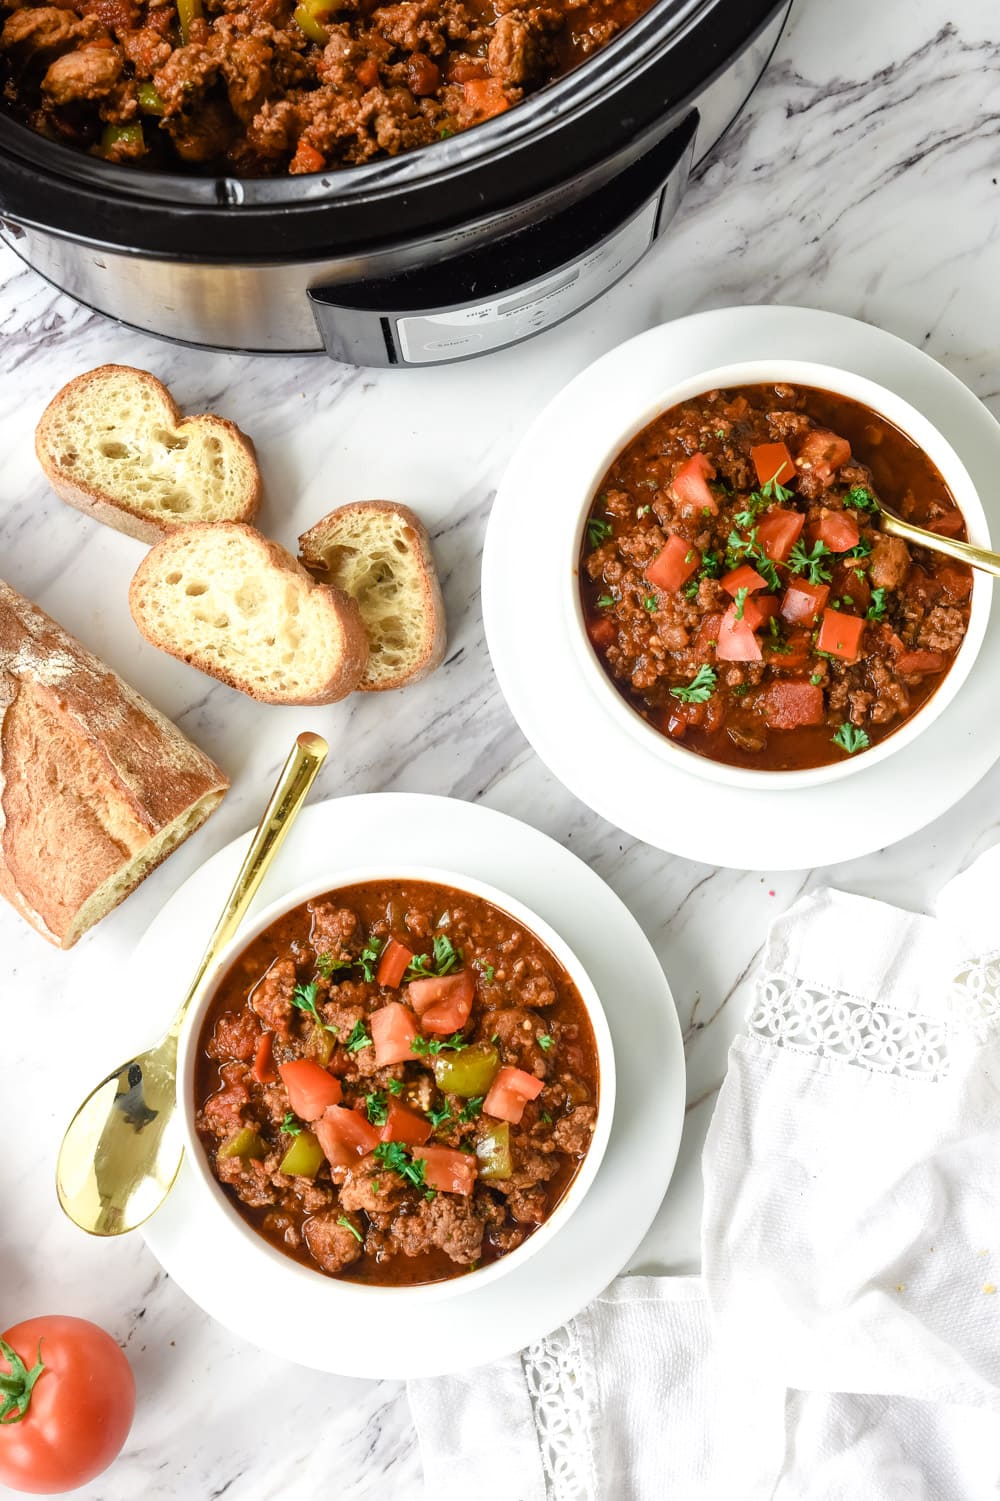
471,1108
439,1117
546,1117
369,958
304,997
742,595
327,963
748,550
741,690
700,688
545,1042
446,958
801,561
605,601
644,510
377,1108
435,1045
430,1194
861,498
393,1155
877,608
772,490
650,603
291,1124
395,1086
343,1220
816,679
860,550
851,739
777,642
487,971
358,1039
598,531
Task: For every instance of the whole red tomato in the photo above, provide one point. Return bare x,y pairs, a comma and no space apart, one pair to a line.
67,1398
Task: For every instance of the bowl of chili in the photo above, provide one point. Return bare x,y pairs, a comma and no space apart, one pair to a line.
734,605
396,1080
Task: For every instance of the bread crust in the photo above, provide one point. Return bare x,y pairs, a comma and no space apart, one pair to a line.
311,546
345,672
102,505
91,777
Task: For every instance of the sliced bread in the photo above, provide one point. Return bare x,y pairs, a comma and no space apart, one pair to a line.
379,553
239,607
113,443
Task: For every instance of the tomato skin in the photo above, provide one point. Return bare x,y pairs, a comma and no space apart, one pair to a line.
80,1411
673,564
311,1090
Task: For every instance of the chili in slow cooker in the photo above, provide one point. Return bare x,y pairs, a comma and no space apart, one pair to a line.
263,87
739,593
396,1083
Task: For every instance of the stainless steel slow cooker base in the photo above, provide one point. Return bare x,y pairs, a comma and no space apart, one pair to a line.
379,307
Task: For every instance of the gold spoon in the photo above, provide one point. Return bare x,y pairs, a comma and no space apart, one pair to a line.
966,552
122,1150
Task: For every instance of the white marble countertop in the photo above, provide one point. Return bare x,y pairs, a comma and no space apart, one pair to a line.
863,178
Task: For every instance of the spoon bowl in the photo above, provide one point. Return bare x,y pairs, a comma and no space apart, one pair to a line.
123,1148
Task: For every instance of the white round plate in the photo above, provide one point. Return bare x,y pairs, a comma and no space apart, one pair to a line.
614,773
649,1060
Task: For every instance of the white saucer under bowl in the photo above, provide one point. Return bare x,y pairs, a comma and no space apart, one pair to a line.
365,1339
539,668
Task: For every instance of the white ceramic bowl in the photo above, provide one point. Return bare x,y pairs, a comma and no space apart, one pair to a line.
599,449
273,1263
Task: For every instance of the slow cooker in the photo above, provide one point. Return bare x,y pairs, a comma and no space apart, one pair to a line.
440,254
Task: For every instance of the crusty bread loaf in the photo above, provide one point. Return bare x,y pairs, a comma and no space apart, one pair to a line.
113,443
379,553
96,786
228,601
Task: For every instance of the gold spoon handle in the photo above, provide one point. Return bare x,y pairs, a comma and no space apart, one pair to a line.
963,552
304,761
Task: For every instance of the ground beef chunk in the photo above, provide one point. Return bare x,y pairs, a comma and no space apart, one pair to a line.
272,1000
449,1222
528,1205
42,30
146,50
890,563
223,1110
331,1242
573,1133
943,629
236,1035
520,49
336,931
246,67
249,1180
81,76
517,1031
372,1187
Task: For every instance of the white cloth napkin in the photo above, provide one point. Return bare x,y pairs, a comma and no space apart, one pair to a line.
843,1342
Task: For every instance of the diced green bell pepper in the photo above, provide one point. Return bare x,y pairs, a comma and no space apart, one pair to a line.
121,135
246,1143
493,1152
187,11
322,1043
307,18
149,99
468,1072
304,1157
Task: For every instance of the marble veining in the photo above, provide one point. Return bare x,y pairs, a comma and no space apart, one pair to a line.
863,177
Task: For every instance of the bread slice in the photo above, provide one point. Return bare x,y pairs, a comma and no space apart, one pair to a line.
239,607
96,786
379,553
113,443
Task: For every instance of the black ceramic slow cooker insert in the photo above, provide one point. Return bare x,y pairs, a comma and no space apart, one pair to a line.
434,255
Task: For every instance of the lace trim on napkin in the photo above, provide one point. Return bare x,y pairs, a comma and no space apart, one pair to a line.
558,1385
877,1035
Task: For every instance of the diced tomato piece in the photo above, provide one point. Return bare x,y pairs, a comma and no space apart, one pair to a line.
772,461
758,609
510,1092
673,564
839,530
393,1029
406,1125
446,1170
789,706
689,486
920,662
956,582
736,641
708,635
840,635
311,1090
393,964
803,602
822,453
778,533
460,71
345,1135
948,525
743,577
443,1003
795,654
306,159
367,73
263,1063
847,585
602,631
485,97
